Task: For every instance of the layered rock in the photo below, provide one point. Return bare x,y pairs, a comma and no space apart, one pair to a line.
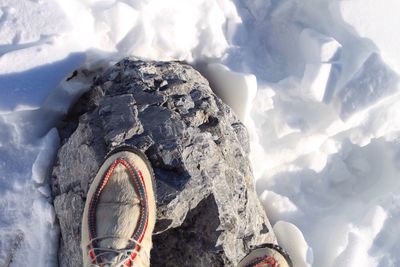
208,213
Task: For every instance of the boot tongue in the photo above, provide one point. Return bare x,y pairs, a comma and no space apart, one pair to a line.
118,211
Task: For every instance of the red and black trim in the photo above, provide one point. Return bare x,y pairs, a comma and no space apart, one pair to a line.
263,262
268,260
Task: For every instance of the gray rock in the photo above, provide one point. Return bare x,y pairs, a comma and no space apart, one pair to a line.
208,213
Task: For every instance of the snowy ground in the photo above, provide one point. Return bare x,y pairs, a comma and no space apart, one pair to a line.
316,82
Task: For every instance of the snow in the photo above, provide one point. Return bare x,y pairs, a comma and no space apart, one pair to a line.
320,52
238,90
315,79
316,82
372,82
374,21
318,48
290,237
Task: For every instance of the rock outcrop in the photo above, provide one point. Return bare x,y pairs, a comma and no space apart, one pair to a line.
208,212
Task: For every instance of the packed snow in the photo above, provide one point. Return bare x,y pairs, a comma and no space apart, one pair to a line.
315,81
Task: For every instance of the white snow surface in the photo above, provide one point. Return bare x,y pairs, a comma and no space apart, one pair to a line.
315,81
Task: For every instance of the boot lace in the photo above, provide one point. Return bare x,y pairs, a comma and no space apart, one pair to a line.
109,257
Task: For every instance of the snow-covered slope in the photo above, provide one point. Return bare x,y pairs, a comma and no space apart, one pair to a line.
315,81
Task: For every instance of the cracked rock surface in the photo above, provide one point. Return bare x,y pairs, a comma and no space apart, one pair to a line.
208,213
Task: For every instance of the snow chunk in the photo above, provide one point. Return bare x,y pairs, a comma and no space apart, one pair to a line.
278,206
315,79
292,240
158,30
373,82
117,21
317,48
237,90
377,22
44,160
360,240
318,51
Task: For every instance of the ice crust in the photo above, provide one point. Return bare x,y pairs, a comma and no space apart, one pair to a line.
316,82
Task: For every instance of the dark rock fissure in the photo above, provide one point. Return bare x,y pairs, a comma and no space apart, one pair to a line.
189,244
